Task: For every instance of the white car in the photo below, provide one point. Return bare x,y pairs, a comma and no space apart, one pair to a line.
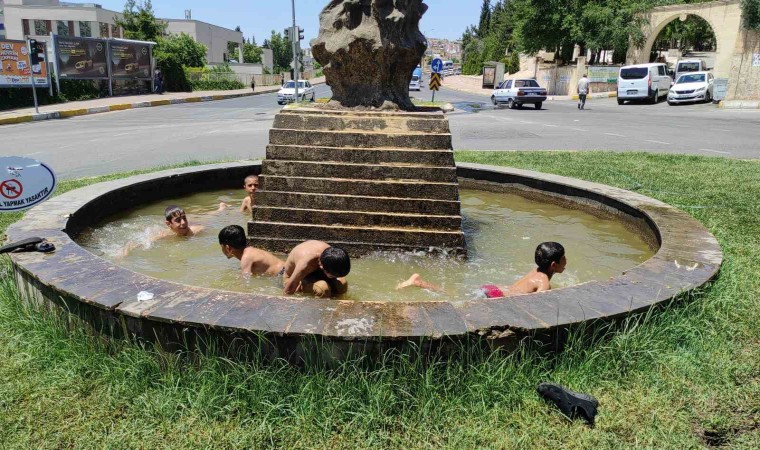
287,94
516,93
692,87
643,82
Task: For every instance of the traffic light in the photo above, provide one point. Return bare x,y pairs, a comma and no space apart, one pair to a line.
36,52
300,34
286,33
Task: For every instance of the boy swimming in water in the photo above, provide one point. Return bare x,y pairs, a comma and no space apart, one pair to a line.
176,220
252,260
314,267
550,259
251,185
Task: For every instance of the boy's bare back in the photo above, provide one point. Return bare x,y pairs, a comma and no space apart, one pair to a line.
302,260
259,261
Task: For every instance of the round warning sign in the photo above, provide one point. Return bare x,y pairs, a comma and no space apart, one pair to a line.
24,182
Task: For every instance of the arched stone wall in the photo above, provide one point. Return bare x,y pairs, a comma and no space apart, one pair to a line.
724,17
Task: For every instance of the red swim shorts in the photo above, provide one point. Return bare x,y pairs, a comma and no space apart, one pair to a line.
491,291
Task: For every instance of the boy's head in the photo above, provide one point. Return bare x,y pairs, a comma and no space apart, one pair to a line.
251,184
550,258
334,261
176,220
232,237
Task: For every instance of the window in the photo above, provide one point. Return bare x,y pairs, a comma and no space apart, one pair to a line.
633,73
103,29
661,70
508,84
41,27
526,83
85,30
115,31
25,25
62,28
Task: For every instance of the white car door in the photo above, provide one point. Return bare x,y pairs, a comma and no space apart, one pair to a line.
664,80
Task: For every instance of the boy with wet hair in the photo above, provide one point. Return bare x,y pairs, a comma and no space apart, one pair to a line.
251,185
234,244
549,257
176,220
316,268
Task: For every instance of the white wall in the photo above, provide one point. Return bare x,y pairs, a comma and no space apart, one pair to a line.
213,37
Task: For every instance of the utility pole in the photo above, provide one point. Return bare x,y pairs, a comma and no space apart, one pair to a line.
294,43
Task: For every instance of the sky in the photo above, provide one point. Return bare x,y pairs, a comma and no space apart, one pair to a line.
445,19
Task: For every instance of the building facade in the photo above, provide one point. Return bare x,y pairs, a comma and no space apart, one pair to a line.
20,19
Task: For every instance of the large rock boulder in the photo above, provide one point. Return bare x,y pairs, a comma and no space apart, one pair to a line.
368,49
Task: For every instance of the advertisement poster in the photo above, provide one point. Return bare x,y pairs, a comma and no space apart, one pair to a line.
489,77
81,58
130,60
603,74
15,70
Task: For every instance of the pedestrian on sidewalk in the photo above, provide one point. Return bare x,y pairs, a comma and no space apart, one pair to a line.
159,81
584,88
253,83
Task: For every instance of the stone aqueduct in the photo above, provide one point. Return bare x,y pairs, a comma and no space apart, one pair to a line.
724,17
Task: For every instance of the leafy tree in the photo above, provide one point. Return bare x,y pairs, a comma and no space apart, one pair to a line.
187,51
282,51
251,53
139,21
485,18
751,13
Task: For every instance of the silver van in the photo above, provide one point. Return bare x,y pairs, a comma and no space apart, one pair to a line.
643,82
689,65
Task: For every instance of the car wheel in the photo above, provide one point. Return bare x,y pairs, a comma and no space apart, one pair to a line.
511,104
538,105
312,97
621,102
708,97
655,98
519,106
670,103
493,99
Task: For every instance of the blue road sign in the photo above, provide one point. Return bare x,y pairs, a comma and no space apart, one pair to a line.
436,65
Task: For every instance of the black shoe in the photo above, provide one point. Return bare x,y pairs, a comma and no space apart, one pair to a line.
572,404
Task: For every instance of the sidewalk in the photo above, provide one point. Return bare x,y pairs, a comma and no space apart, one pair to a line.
474,85
108,104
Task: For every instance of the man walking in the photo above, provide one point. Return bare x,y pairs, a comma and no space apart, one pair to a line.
583,91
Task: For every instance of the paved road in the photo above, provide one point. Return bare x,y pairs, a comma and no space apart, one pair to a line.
238,129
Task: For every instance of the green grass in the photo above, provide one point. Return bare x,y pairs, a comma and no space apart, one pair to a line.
681,377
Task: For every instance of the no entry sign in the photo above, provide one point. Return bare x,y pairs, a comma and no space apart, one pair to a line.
24,182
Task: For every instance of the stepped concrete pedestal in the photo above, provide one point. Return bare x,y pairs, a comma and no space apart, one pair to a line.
361,180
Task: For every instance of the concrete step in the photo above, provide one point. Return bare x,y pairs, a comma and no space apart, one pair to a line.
354,249
423,141
441,158
344,122
358,171
330,233
355,218
342,202
375,188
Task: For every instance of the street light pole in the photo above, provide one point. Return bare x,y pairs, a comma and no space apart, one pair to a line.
294,43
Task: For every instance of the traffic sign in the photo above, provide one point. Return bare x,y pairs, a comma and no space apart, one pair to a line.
24,182
436,65
435,81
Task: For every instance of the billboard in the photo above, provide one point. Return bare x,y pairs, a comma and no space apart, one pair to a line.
81,58
15,70
130,60
603,74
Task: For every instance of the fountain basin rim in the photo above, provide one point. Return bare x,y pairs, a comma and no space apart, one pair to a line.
688,257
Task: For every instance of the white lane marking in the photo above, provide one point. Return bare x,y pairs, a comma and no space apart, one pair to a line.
525,121
121,134
714,151
549,125
613,134
657,142
35,153
581,129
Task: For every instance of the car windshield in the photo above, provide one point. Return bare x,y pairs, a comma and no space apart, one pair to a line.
526,83
415,78
633,73
696,78
292,85
688,67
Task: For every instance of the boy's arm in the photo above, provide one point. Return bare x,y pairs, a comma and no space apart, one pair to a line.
246,205
299,273
543,284
246,262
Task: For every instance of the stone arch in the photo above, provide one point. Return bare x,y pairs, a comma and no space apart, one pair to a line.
724,17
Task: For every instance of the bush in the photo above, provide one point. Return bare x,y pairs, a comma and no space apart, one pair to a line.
216,85
71,90
175,79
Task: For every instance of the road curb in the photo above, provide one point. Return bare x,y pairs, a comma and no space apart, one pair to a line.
121,107
600,95
739,104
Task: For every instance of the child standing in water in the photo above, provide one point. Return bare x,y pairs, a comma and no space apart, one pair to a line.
550,259
251,185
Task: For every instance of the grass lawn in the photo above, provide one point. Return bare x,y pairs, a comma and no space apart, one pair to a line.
681,377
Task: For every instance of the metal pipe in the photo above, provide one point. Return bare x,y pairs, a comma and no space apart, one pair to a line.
294,43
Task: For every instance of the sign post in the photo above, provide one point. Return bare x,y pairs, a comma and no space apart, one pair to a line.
436,67
32,50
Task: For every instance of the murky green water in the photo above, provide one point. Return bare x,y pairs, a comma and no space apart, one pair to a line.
502,233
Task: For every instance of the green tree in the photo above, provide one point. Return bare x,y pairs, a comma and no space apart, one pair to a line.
186,50
251,53
751,13
139,22
485,18
282,51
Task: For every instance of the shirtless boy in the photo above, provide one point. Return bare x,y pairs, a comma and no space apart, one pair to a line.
252,260
314,267
550,259
176,220
251,185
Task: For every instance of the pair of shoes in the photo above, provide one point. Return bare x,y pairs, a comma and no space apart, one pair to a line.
572,404
34,244
579,106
